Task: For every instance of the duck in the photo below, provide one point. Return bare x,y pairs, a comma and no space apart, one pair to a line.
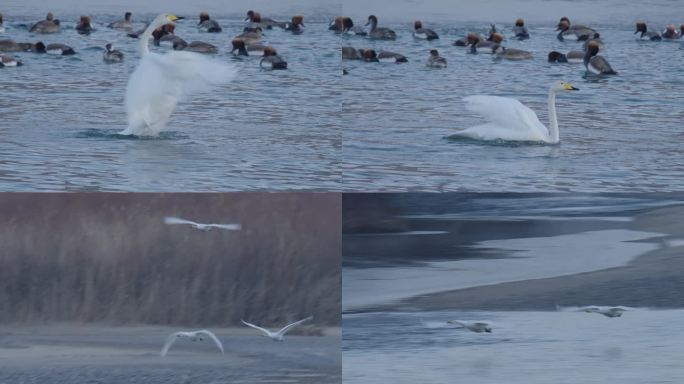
391,57
350,29
645,34
511,53
337,24
379,33
520,31
9,61
111,55
350,53
435,60
296,25
207,24
478,45
124,24
166,34
194,46
247,49
368,55
573,32
2,26
255,24
84,27
570,57
59,49
271,59
423,33
596,39
49,25
12,46
263,22
597,65
492,32
670,33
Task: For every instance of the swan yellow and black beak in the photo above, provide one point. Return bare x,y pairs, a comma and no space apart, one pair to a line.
173,17
569,87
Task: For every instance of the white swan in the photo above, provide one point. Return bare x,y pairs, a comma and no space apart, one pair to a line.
160,80
474,326
193,336
201,226
279,335
605,311
510,120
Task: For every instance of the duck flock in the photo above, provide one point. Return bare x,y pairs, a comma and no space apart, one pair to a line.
494,43
247,43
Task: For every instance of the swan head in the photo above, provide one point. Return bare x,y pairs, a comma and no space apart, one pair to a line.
166,18
520,23
561,86
417,24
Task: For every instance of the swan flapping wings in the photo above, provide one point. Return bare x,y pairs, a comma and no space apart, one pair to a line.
191,335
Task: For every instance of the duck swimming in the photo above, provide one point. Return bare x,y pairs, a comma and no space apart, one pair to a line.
573,32
511,53
670,33
12,46
125,24
478,45
350,29
49,25
570,57
423,33
207,24
350,53
84,27
112,55
645,34
520,31
195,46
263,22
59,49
435,60
245,49
166,35
379,33
9,61
597,65
368,55
296,25
391,57
596,39
271,59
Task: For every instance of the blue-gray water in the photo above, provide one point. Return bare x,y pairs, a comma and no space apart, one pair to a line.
266,130
621,133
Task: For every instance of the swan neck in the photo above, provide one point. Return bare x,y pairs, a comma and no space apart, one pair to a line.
553,121
143,48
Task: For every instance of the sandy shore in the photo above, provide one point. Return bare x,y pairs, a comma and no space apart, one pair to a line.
654,280
74,354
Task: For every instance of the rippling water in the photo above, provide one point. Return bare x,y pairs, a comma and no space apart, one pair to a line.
622,133
266,130
642,346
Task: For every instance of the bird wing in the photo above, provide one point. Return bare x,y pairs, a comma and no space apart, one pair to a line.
287,328
599,64
191,71
177,220
169,341
213,337
507,114
265,331
230,227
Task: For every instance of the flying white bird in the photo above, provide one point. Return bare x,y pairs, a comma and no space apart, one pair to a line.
200,226
605,311
475,326
277,336
193,336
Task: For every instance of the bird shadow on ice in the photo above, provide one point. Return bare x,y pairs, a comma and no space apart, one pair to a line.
116,135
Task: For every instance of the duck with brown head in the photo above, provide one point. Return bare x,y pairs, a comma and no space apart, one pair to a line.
112,55
596,39
242,49
262,22
350,53
573,57
423,33
645,33
573,32
165,35
49,25
271,59
670,33
379,33
478,45
595,64
207,24
368,55
520,31
435,60
84,27
125,24
296,25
